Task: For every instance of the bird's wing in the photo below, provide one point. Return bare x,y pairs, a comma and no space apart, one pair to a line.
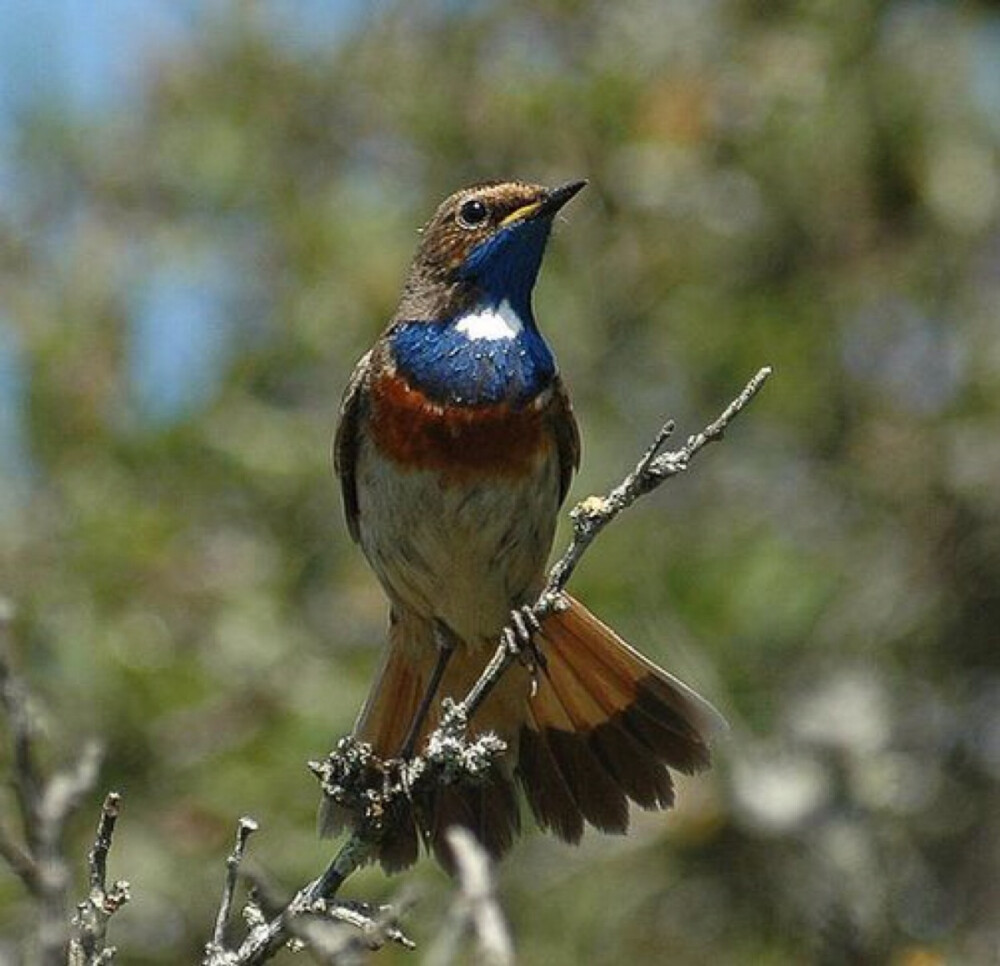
563,424
345,443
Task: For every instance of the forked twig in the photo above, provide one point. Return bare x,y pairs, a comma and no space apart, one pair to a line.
217,947
90,924
45,803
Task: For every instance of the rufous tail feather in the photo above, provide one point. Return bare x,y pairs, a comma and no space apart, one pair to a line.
603,727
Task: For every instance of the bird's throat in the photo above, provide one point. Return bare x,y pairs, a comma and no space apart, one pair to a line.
489,354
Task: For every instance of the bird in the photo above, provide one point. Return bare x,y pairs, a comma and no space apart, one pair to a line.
455,448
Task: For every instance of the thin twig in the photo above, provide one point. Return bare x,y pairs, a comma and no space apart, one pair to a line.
217,947
87,944
266,939
475,908
19,860
61,797
97,859
344,933
45,804
25,777
377,924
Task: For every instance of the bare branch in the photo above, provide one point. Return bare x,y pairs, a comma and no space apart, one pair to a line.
344,933
475,908
265,939
25,777
378,924
215,951
19,860
87,945
45,805
97,860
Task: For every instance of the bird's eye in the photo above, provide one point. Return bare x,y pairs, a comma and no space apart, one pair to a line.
472,213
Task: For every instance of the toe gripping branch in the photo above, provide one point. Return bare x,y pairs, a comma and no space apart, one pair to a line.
519,638
379,793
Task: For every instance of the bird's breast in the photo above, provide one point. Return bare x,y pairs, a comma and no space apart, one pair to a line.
459,442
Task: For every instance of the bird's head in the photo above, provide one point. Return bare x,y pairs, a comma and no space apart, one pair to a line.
486,243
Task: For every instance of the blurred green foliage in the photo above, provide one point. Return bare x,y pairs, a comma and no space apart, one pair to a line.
813,185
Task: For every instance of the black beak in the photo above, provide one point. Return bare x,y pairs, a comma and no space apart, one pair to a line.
555,198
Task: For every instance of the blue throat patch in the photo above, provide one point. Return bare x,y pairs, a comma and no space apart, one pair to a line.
506,264
449,366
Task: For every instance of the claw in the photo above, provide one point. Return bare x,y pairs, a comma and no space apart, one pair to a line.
519,638
521,626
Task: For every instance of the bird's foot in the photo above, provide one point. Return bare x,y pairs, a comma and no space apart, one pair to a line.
519,638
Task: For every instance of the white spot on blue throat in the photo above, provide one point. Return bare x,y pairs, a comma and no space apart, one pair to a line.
490,323
488,355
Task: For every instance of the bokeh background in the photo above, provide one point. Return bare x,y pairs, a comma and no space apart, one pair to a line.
206,210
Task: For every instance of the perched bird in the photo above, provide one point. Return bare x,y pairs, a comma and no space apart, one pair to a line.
455,449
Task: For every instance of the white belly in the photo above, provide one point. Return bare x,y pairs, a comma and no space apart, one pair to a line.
463,553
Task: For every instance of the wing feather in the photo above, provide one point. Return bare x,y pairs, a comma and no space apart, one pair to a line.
345,442
567,434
